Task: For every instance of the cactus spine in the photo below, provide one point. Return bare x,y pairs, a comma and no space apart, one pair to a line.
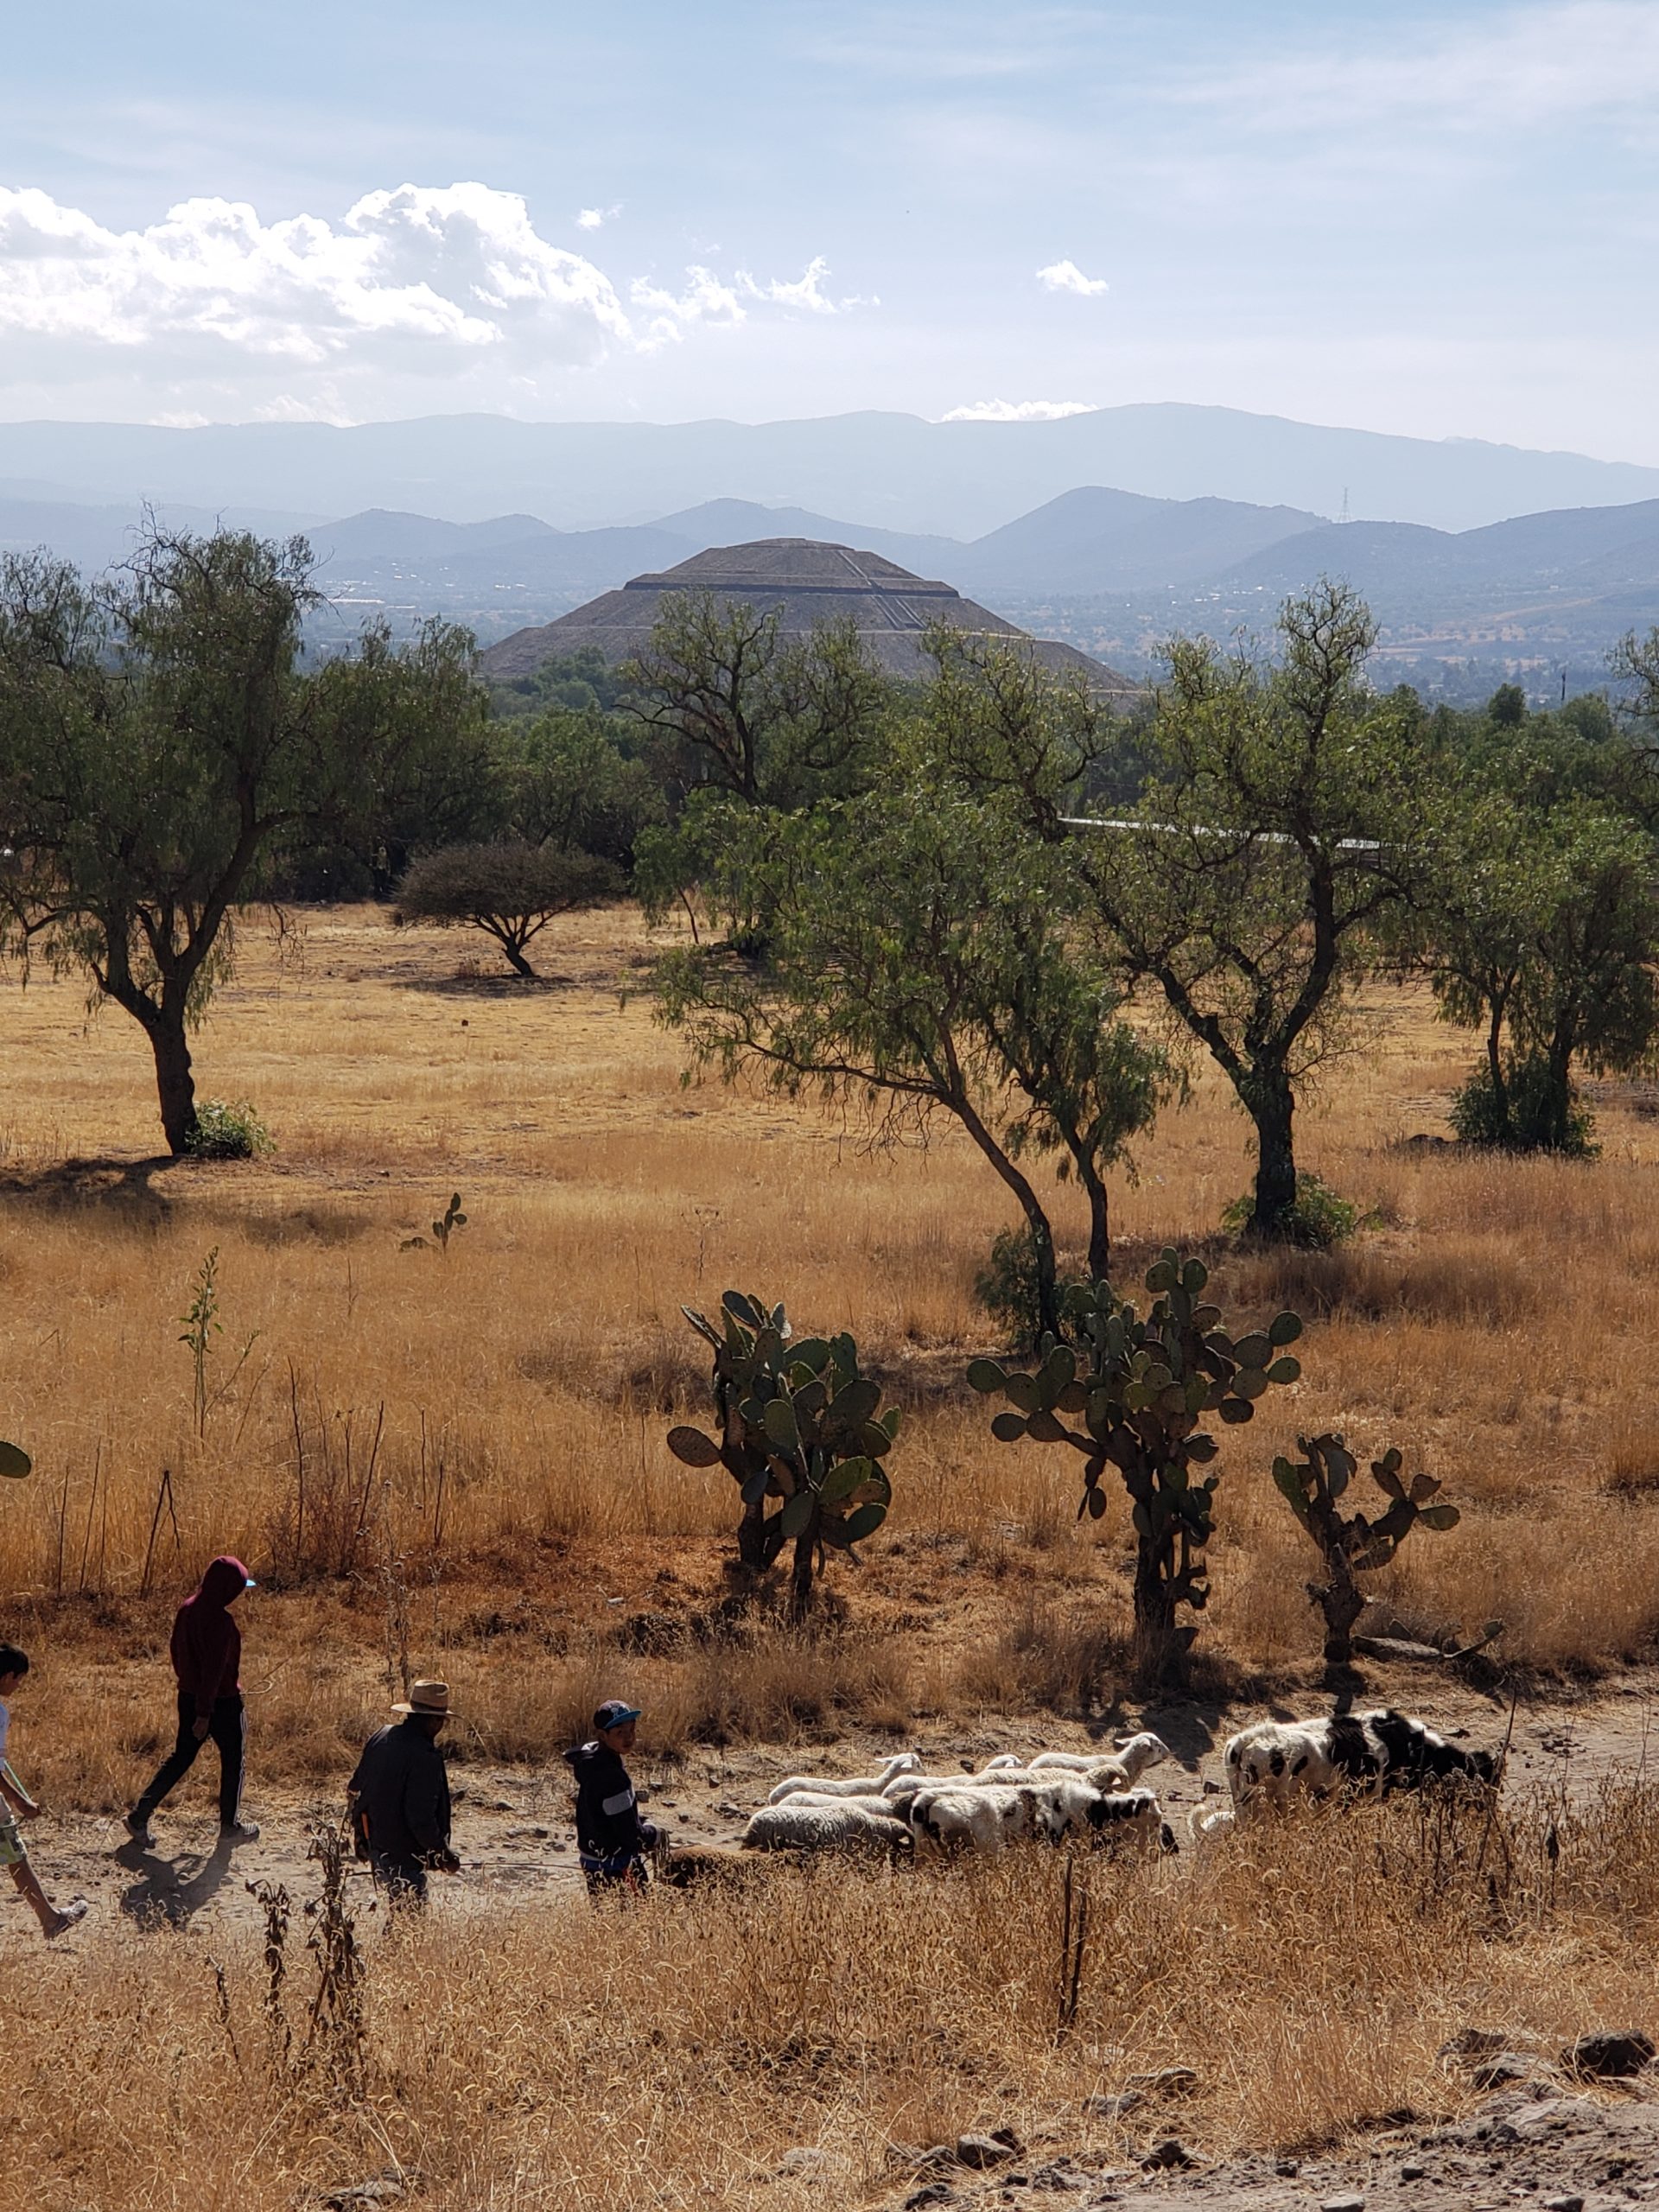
1137,1387
1351,1544
798,1424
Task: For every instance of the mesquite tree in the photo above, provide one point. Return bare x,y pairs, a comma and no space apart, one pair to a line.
162,740
1289,809
510,891
1137,1387
1351,1544
798,1424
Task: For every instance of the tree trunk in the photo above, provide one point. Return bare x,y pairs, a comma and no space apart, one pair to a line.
1162,1647
800,1578
1495,1068
1100,1241
1272,1111
517,961
174,1084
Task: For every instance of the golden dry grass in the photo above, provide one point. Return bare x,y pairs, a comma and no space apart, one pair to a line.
520,1511
1493,1324
674,2054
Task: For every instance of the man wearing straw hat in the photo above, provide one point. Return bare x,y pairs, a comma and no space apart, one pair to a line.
399,1799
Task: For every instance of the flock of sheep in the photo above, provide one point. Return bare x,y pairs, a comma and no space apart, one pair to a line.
1052,1796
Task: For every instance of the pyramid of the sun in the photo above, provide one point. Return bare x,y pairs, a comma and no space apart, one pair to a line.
809,583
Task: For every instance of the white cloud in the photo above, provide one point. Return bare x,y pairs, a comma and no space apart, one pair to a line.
420,281
593,219
1021,411
1067,276
806,293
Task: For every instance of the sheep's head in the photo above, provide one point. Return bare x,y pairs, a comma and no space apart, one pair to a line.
1137,1753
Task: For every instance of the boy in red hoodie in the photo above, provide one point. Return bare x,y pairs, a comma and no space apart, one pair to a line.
207,1653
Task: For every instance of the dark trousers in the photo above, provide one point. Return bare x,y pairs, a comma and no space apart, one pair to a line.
228,1727
405,1879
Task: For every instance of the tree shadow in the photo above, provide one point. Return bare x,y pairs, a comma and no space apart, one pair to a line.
169,1892
123,1188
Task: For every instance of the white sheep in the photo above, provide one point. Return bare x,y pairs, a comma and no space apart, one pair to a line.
793,1827
1204,1823
1120,1769
861,1785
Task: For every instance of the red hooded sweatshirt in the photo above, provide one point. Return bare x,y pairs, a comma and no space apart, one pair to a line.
206,1643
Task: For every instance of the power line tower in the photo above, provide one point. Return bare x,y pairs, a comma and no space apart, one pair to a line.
1345,516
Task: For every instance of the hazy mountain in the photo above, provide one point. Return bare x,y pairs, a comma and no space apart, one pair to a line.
896,472
740,522
1097,540
96,537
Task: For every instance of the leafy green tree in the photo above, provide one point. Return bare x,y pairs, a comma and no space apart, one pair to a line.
1290,808
569,783
1543,933
510,892
920,960
732,703
163,745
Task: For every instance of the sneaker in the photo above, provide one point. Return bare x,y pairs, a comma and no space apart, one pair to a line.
137,1827
67,1915
239,1832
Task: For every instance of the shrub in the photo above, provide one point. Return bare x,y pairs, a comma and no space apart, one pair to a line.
1318,1219
228,1130
1009,1288
1537,1112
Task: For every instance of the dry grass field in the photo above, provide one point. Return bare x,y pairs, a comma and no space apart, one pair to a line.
461,1453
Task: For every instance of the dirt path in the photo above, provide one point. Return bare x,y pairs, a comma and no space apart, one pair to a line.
513,1825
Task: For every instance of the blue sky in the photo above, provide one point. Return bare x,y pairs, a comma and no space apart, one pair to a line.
1440,220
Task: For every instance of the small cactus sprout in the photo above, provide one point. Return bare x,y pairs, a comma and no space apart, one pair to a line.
800,1428
452,1219
1136,1388
14,1462
1350,1543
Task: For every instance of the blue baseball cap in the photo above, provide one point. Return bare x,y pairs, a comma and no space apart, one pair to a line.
612,1713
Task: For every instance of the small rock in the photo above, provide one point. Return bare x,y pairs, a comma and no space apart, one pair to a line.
1287,2169
385,2189
1498,2072
1171,2152
1413,2172
1353,2203
810,2160
933,2192
1168,2081
1563,2204
983,2151
1610,2055
1117,2108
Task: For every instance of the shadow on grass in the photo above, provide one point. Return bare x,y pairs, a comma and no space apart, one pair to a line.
120,1187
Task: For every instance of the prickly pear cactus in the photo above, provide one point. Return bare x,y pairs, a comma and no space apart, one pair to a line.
1131,1391
1350,1543
799,1426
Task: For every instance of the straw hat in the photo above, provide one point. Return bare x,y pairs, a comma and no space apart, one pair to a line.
430,1700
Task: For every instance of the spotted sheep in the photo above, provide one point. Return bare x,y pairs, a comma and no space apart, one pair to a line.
1369,1754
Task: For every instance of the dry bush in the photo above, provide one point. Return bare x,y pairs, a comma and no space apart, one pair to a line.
1309,1970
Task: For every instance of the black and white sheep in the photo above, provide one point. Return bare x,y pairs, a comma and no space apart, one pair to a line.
1369,1753
989,1816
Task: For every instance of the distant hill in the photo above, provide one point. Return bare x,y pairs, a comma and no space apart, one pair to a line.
1093,539
895,472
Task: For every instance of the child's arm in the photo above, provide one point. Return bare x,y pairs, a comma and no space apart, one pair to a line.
14,1794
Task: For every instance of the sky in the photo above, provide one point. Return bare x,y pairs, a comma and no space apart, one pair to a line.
1440,220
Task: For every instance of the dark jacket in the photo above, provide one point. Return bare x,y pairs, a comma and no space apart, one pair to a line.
401,1793
206,1646
609,1831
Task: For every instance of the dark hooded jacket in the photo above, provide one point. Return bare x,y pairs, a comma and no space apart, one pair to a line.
401,1790
609,1831
206,1643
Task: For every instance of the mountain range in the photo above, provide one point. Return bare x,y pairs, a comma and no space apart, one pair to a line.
1109,570
896,472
